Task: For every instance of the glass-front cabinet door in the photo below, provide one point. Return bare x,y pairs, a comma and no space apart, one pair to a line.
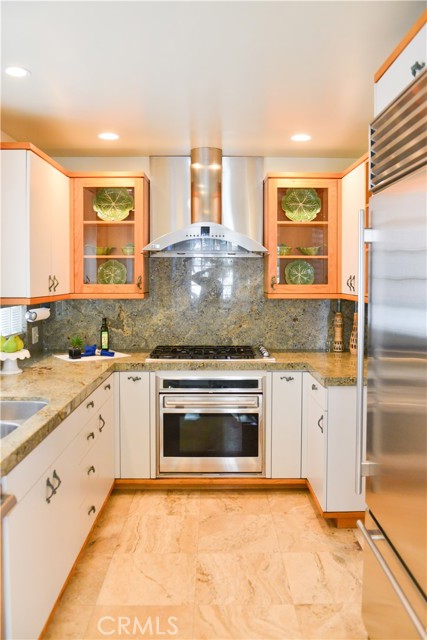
300,233
111,227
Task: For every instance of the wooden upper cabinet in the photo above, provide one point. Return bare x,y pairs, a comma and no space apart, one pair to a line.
111,223
300,233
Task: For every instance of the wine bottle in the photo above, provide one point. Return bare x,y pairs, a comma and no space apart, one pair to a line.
105,338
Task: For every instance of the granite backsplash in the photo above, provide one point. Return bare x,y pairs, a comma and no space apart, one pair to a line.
200,301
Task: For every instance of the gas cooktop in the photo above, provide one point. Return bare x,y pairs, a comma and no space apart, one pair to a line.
202,352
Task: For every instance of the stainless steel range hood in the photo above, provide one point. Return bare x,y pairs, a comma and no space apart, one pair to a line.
206,206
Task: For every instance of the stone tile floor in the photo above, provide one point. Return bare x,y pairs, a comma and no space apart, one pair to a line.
213,565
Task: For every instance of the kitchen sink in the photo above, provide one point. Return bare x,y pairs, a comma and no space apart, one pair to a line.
14,412
7,427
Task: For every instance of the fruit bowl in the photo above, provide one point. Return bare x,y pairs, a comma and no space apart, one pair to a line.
284,250
128,249
309,251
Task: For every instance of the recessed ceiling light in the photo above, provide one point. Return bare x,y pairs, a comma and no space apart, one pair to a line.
108,136
17,72
300,137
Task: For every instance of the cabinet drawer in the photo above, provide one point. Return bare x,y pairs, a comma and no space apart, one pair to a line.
91,405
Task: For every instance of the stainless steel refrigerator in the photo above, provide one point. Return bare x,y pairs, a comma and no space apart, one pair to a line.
395,560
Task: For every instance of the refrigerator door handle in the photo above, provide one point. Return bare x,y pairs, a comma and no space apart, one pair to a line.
360,350
369,536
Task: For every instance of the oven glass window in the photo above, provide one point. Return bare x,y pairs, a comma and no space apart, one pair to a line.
210,435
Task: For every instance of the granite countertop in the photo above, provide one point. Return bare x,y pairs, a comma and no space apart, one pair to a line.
64,385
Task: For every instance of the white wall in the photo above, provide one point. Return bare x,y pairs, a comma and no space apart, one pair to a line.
273,165
97,163
142,163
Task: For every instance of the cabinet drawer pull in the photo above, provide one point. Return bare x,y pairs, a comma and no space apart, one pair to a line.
91,470
57,478
91,510
318,423
55,283
107,387
139,282
102,421
287,378
416,67
134,378
313,387
90,435
50,281
50,486
90,404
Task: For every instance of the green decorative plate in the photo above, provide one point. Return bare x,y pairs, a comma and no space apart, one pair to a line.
301,205
299,272
113,203
112,272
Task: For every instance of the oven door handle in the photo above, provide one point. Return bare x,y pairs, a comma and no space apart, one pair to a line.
233,402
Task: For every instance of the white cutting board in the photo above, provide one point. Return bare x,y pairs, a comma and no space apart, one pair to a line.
65,356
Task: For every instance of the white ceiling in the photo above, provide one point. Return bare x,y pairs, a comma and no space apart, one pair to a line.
170,76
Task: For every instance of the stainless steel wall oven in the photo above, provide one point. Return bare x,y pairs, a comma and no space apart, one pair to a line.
210,423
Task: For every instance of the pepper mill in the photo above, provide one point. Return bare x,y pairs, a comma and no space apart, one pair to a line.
353,335
338,345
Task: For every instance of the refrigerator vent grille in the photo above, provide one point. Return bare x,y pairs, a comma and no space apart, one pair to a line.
398,137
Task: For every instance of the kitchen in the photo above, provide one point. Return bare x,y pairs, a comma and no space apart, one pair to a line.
191,299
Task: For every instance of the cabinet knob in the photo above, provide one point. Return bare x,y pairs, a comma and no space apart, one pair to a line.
416,67
287,378
51,490
90,404
102,421
57,478
313,387
90,435
134,378
91,510
318,423
91,470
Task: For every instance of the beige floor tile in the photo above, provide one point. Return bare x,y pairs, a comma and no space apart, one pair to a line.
246,623
159,534
68,622
227,502
333,621
300,532
324,577
291,501
241,579
149,579
84,585
236,532
152,622
166,503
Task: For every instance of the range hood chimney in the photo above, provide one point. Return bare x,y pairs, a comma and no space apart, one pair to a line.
206,236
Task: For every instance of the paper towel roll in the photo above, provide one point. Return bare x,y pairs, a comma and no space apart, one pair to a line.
34,315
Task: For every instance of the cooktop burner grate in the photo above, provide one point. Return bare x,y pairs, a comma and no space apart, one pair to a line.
190,352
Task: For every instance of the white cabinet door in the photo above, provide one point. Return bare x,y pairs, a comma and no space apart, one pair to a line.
134,424
399,75
342,494
41,536
353,198
317,444
286,424
35,226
